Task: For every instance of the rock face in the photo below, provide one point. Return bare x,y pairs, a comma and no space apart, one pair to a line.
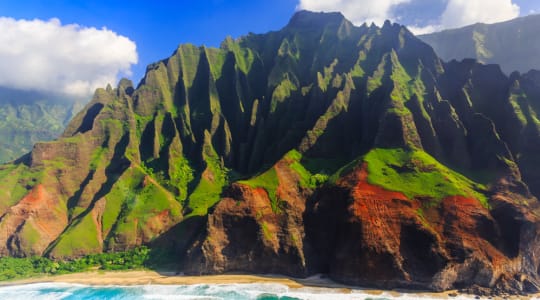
512,44
247,233
322,147
459,243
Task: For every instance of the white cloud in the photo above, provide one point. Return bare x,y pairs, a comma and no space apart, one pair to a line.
70,59
456,14
355,10
425,29
465,12
459,13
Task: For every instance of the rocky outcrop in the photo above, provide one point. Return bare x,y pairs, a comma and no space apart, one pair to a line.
362,234
245,233
31,225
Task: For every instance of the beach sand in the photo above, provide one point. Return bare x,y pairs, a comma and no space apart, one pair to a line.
152,277
144,277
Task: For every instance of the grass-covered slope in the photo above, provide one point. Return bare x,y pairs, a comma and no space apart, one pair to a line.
417,174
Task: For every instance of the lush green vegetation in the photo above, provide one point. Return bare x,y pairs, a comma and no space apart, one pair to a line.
244,57
180,172
375,81
18,268
211,183
189,56
122,194
267,180
282,92
15,181
83,236
26,118
402,86
416,173
139,199
301,165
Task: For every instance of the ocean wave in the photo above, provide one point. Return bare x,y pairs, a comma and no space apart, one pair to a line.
254,291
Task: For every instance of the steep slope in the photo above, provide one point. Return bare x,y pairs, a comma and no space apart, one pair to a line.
29,117
322,147
513,44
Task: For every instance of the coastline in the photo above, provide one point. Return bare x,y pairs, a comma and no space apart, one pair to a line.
144,277
147,277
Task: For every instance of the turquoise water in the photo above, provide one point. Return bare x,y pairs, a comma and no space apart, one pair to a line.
200,291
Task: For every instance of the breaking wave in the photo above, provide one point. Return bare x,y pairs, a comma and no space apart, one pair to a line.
262,291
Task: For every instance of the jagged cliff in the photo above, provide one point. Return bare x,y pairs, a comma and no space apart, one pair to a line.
322,147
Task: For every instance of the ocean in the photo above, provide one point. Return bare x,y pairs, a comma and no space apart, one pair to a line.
263,291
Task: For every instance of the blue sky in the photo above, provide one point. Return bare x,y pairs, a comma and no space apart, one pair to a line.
157,27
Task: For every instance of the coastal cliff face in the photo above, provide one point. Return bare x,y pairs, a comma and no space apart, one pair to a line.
322,147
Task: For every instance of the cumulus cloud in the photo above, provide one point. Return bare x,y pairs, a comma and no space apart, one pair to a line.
376,11
52,57
417,30
465,12
459,13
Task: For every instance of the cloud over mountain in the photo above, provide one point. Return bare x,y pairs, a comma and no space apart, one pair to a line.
456,13
465,12
71,59
357,11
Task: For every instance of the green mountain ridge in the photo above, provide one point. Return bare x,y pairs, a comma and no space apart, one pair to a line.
512,44
320,148
30,117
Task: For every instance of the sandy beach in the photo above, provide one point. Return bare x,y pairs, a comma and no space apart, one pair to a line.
144,277
151,277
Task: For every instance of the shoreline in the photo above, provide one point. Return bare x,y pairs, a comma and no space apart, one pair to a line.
148,277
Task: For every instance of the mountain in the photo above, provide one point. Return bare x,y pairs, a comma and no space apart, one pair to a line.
513,44
27,117
319,148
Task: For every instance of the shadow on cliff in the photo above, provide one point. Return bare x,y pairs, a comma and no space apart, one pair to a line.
324,226
169,250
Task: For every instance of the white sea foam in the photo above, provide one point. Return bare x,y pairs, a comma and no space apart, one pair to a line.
62,291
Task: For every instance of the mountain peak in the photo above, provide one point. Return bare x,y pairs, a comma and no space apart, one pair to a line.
309,19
